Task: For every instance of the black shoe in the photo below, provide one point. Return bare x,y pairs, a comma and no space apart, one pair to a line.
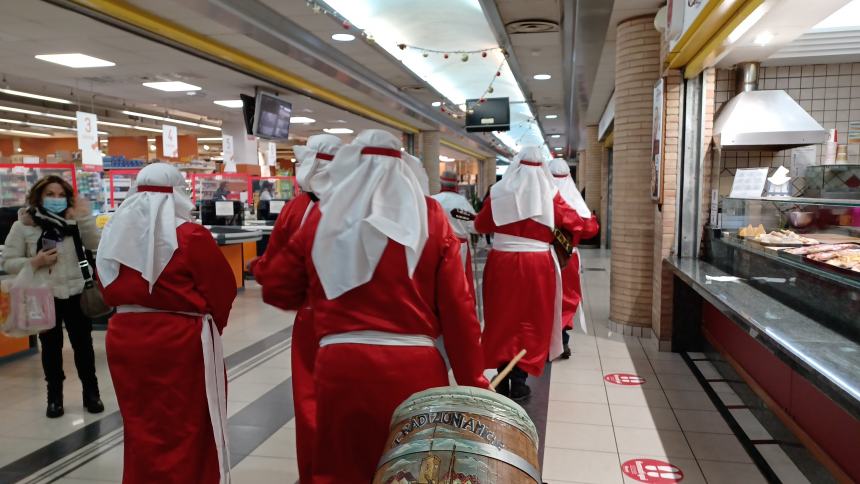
55,409
520,391
93,403
565,355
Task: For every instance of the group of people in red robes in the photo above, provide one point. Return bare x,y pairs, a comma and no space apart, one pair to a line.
377,271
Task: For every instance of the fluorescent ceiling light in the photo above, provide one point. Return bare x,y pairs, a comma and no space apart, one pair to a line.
338,131
25,133
110,123
171,120
763,38
748,23
542,77
436,104
556,136
12,92
230,103
36,113
302,120
446,159
151,140
172,86
551,116
343,37
208,139
557,148
845,18
151,130
77,61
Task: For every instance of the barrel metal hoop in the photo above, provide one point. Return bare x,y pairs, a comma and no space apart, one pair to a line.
475,448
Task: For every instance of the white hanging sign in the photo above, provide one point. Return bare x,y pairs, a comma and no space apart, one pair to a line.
272,154
88,138
227,148
169,141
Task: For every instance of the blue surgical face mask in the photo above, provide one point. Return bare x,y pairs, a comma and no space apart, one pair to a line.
55,204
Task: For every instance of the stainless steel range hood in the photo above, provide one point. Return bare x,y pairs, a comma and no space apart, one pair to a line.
763,120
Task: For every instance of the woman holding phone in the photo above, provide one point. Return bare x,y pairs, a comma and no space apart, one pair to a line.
42,237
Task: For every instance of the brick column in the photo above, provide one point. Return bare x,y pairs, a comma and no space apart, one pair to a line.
592,179
488,175
604,194
430,158
637,68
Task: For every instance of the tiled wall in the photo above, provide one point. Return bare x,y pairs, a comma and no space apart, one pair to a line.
829,92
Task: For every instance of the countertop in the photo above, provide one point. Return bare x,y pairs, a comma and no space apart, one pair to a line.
226,235
829,360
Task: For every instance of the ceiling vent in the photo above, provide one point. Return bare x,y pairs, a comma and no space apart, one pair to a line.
532,26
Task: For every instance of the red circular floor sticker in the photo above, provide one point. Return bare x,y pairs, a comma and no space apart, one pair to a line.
626,379
651,470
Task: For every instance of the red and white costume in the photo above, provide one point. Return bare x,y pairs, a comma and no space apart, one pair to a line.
570,275
522,290
450,200
173,291
312,177
381,268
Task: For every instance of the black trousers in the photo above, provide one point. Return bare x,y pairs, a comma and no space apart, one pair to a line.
80,330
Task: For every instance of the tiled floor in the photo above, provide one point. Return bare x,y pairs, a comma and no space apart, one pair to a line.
593,427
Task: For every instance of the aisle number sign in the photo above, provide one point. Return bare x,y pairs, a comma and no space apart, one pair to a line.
169,141
227,148
88,138
272,154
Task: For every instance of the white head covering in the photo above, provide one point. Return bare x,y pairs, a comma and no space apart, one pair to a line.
567,188
309,172
376,197
420,172
525,191
142,233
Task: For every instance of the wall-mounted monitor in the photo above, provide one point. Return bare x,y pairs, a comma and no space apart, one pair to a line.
494,114
267,116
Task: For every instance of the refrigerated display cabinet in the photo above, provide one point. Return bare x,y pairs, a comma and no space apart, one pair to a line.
16,180
205,185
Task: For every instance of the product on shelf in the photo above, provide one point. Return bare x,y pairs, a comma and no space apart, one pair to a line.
815,249
750,231
784,238
848,259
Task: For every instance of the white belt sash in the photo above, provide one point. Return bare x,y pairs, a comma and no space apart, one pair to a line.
464,250
512,243
216,386
378,338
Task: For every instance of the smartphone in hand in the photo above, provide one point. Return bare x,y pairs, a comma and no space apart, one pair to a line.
49,244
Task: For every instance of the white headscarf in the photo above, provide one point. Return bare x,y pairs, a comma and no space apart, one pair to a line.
142,233
310,173
420,172
525,191
567,188
376,197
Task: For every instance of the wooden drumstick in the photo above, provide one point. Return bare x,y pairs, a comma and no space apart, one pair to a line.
501,376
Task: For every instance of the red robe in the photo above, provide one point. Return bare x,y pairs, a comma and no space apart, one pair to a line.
156,362
572,289
519,290
305,345
359,386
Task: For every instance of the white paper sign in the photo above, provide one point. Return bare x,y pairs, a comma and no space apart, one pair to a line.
275,206
169,141
272,154
227,148
224,208
749,183
88,138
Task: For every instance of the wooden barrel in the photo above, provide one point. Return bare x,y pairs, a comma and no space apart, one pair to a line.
460,435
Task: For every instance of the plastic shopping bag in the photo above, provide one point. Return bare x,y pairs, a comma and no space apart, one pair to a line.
31,305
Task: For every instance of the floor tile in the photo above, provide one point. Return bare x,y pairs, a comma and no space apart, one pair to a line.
563,374
281,444
597,438
566,465
750,424
679,382
689,467
674,367
107,466
731,472
643,417
689,400
630,395
577,412
670,443
717,447
571,392
626,365
708,370
702,421
782,464
254,469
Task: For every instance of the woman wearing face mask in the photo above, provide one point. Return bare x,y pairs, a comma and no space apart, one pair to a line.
42,237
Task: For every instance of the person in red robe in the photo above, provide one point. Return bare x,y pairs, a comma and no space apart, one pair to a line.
570,275
173,291
381,268
457,209
313,179
522,290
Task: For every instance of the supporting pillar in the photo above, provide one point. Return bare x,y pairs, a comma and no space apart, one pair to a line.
430,158
488,175
637,68
591,180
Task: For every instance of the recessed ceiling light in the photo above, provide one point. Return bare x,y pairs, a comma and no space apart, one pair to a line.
436,104
763,38
12,92
557,148
446,159
171,120
338,130
542,77
343,37
151,147
556,136
77,61
206,147
551,116
230,103
172,86
302,120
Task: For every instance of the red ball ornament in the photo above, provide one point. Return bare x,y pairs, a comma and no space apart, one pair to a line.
445,56
401,46
482,101
483,54
345,25
442,109
498,73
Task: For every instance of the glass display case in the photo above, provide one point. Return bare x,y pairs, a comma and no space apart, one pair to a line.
220,186
116,184
91,187
282,187
804,252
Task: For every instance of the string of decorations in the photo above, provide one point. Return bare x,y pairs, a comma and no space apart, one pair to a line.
446,54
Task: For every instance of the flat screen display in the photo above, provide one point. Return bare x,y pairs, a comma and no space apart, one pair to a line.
272,117
494,114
